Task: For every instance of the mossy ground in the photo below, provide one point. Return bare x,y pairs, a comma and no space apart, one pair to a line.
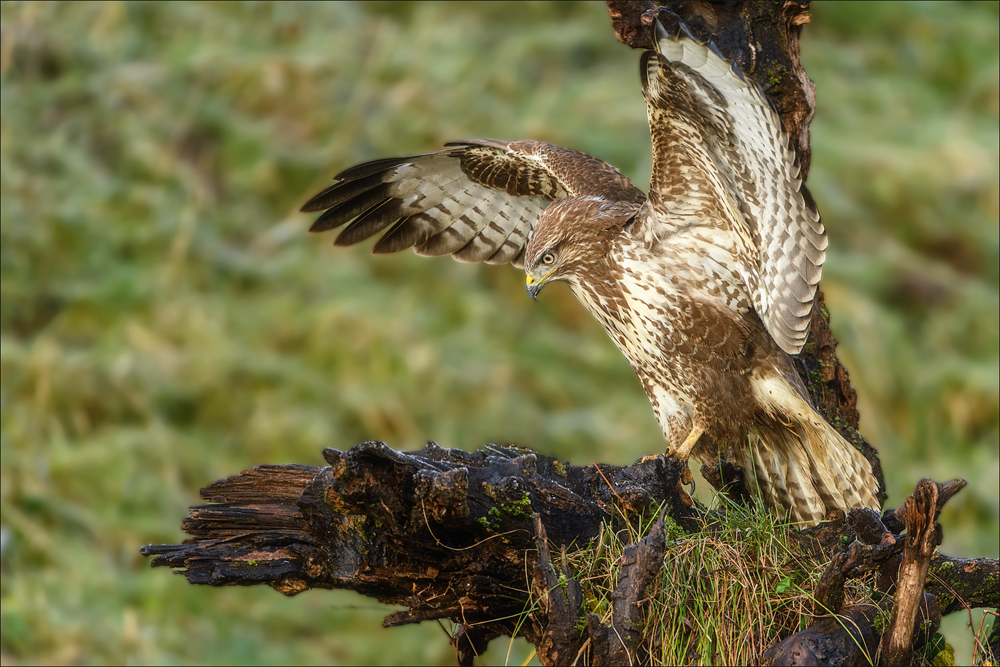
165,319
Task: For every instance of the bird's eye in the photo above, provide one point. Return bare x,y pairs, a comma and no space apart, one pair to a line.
548,258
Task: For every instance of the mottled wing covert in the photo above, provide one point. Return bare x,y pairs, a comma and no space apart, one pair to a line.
721,154
477,200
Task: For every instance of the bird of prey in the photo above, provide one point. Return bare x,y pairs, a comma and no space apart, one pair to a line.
706,285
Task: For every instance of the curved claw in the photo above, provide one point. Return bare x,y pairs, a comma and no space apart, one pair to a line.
687,477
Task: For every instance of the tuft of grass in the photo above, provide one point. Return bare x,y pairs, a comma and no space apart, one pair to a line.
729,591
725,593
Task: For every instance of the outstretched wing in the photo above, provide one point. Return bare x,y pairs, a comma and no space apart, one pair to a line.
721,156
477,200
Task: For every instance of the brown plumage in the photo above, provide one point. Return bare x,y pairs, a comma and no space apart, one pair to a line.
706,286
477,200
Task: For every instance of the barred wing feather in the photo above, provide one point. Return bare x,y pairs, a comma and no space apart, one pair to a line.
476,200
723,154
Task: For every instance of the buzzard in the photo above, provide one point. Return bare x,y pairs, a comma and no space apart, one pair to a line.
706,285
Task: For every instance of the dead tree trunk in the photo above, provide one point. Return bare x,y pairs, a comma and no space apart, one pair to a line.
440,531
451,535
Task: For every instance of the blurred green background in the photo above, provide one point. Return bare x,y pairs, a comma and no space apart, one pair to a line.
166,320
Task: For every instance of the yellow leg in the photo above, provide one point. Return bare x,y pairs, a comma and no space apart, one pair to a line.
684,451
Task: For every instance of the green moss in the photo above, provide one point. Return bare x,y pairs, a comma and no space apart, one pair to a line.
943,567
520,508
491,521
775,75
945,599
671,529
352,529
882,620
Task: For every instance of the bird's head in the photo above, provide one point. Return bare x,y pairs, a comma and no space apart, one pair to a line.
572,234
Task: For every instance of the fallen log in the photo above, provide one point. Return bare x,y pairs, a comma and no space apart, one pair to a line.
469,537
440,531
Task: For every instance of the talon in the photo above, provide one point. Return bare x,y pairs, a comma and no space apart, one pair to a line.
684,496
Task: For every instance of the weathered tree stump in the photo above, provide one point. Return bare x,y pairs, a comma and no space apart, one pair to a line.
449,534
443,532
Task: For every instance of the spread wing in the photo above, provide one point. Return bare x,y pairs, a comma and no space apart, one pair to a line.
476,200
721,157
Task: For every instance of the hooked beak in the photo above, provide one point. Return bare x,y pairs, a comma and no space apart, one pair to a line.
534,286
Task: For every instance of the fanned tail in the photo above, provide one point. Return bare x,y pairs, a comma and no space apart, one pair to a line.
799,462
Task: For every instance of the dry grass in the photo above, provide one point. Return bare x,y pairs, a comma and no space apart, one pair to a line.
726,593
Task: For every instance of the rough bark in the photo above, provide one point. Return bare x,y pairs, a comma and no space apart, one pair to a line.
442,532
846,638
923,534
560,599
618,643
